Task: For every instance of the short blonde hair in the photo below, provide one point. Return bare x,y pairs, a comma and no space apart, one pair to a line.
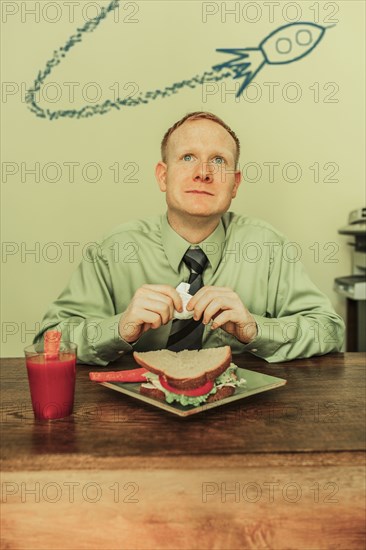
198,115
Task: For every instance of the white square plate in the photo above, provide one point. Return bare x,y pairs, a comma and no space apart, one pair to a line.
256,382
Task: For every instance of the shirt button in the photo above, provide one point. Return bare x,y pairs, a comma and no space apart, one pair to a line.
120,352
255,349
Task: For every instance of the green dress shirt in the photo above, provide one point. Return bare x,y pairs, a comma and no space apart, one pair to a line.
294,318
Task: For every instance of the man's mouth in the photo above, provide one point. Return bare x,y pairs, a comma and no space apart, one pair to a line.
199,192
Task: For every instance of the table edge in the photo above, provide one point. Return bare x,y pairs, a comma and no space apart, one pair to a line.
186,462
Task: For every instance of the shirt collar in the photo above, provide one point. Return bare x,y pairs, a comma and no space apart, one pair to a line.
175,246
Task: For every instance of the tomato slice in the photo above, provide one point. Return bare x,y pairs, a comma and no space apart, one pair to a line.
206,388
134,375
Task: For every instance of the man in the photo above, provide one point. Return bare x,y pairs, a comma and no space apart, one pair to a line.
249,291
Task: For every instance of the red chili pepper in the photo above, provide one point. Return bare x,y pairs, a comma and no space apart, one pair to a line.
52,339
134,375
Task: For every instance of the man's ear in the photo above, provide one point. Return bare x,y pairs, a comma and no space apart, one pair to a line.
237,183
160,174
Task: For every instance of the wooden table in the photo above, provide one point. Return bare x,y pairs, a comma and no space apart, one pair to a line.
279,470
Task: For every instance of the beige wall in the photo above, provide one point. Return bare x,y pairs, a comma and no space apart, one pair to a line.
155,44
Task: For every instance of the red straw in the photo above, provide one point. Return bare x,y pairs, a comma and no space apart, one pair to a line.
52,339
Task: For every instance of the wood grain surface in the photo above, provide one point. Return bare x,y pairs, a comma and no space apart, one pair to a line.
278,470
321,408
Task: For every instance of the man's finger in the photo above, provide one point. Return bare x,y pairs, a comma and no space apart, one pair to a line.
207,291
169,291
221,318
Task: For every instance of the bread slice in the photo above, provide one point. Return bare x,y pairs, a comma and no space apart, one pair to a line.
187,369
225,391
155,393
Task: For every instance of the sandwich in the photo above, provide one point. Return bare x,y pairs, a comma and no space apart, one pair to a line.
189,377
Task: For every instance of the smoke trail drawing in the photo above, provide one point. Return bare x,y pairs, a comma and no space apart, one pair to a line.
284,45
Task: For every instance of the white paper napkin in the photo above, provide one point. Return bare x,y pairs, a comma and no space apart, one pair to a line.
182,289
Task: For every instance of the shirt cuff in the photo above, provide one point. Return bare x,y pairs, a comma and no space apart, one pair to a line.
109,345
268,339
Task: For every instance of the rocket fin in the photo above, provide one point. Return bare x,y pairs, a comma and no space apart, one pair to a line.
246,64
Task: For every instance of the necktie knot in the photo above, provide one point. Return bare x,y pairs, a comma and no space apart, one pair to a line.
196,260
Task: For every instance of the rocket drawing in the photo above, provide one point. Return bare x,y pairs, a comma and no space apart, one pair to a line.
284,45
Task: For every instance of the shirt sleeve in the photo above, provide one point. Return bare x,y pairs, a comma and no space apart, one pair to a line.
300,320
85,313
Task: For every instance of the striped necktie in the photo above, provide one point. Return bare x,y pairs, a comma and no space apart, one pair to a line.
187,333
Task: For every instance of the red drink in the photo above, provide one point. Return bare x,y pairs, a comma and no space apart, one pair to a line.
52,383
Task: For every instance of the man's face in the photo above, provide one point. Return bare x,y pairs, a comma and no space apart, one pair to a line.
199,175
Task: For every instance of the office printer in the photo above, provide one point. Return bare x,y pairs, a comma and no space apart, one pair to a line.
354,286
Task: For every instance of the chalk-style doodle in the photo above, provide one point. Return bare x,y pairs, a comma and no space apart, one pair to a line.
286,44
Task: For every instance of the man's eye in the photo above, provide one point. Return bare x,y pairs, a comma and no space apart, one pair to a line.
219,160
187,157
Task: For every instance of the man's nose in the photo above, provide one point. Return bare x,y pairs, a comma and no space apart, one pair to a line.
204,172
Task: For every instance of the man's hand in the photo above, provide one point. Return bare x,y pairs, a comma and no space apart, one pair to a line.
225,308
150,307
